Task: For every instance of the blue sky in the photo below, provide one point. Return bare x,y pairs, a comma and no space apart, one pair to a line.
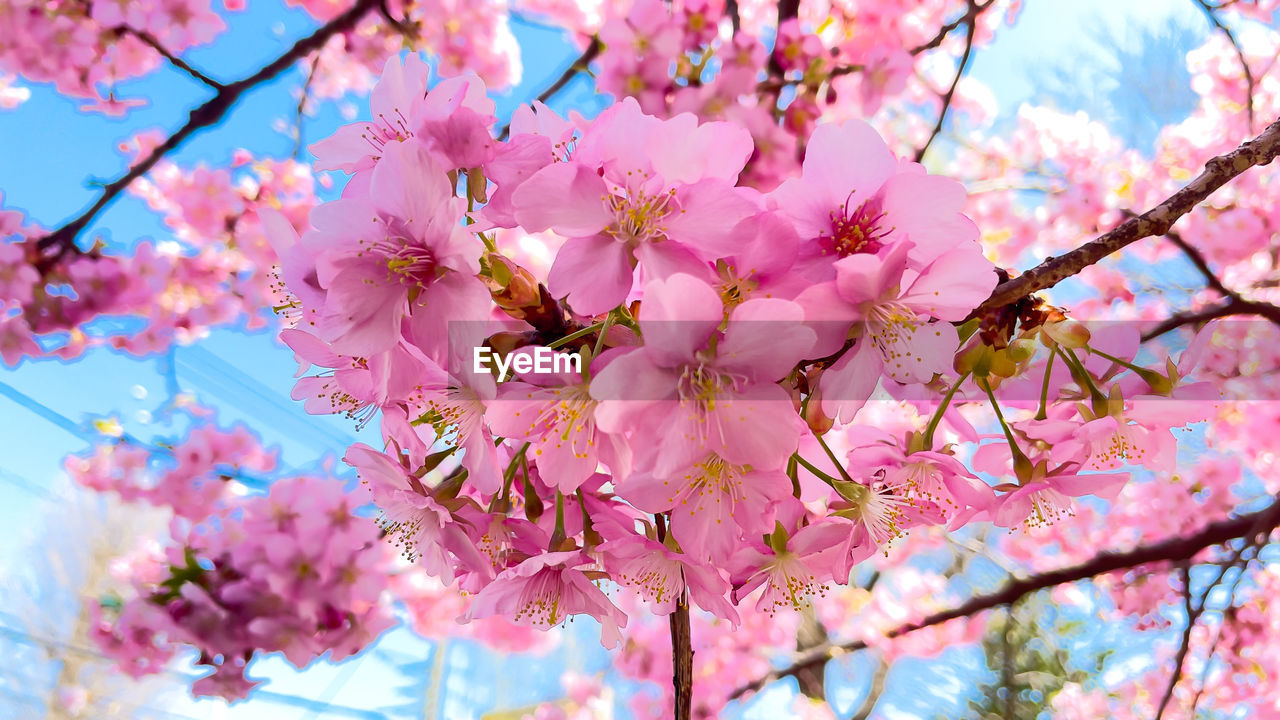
48,151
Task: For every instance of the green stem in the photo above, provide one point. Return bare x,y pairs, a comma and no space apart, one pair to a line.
794,474
1080,374
811,468
1043,411
604,328
508,475
937,415
1008,431
575,335
835,461
1118,361
557,535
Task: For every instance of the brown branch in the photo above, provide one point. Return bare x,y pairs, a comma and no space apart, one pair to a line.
405,27
811,634
202,117
970,32
151,41
577,66
1233,306
1212,13
1198,259
1248,526
1194,612
1156,221
735,15
1184,645
682,660
951,27
302,105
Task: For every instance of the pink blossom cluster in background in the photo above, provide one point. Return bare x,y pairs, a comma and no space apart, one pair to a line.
294,570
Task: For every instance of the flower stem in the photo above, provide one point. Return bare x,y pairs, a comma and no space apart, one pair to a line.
1020,458
1043,411
937,415
503,501
810,467
835,461
1081,374
604,328
558,535
575,335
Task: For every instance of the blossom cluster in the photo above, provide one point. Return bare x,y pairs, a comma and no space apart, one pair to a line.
724,334
294,570
215,272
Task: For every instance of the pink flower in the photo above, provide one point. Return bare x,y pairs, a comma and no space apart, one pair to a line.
713,503
558,416
452,119
544,590
691,390
636,190
425,530
892,311
929,480
399,253
789,574
662,576
855,197
1041,502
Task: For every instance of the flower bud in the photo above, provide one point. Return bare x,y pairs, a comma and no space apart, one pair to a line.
817,420
1067,333
512,287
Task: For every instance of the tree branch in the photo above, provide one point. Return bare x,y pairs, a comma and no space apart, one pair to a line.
202,117
682,660
969,16
1234,306
577,66
302,105
970,31
1248,526
1184,645
1198,259
151,41
1156,221
1212,13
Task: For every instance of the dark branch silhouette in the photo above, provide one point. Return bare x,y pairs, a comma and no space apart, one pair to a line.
206,115
971,30
1212,13
1249,527
578,65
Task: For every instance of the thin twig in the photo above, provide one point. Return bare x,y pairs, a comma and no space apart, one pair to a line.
202,117
945,30
1251,525
970,32
1232,307
1212,13
151,41
302,105
1184,646
1198,259
578,65
405,27
1156,221
1251,539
